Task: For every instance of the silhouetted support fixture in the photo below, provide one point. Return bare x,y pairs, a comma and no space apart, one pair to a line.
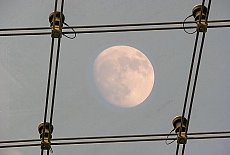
58,20
45,145
196,12
181,138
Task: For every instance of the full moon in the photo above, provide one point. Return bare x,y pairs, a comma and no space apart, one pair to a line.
123,75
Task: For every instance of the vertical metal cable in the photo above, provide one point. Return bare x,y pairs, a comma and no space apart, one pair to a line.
62,8
191,70
189,80
55,74
190,76
177,148
183,149
196,74
194,88
188,84
209,6
48,88
48,82
56,66
55,80
49,77
195,82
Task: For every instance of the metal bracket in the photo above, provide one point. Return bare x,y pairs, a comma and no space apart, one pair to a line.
58,20
200,18
181,139
180,127
45,144
56,32
202,26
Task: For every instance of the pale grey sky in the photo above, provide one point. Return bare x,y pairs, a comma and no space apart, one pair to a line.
79,110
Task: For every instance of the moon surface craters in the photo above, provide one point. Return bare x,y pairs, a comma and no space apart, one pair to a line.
123,75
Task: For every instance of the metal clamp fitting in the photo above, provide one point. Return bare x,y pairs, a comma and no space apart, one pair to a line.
200,18
180,127
45,145
58,20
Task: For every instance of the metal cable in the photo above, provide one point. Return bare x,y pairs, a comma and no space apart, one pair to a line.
110,31
48,85
190,77
134,140
177,148
195,82
183,149
197,71
166,142
117,136
188,85
209,137
55,81
142,24
56,70
189,80
139,136
111,25
49,77
184,23
75,34
116,141
20,145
